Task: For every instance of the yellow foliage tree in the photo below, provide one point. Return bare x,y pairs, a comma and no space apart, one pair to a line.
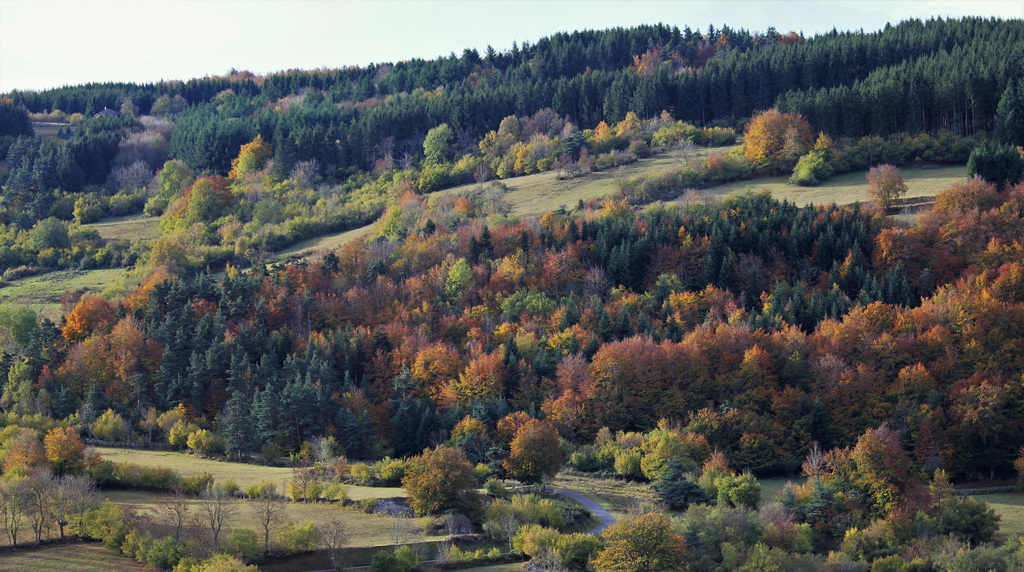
773,141
251,158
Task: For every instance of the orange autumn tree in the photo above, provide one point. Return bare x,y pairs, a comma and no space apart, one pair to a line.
440,480
482,379
642,543
22,450
90,315
433,367
773,141
65,451
534,453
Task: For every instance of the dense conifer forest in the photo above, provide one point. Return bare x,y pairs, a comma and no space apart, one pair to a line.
677,344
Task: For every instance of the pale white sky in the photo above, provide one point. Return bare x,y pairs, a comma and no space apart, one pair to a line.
49,43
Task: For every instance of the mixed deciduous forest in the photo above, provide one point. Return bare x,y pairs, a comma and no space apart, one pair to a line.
692,347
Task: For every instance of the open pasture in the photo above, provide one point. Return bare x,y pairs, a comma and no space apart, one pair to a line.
846,188
43,291
322,243
1010,508
542,192
244,473
133,227
71,557
362,529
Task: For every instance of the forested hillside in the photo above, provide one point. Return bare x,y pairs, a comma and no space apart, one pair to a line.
662,344
916,76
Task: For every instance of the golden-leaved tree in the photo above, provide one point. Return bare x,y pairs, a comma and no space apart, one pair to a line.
774,141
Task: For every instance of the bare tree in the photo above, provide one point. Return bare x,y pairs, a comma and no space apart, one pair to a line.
62,501
323,449
482,173
216,508
176,506
39,487
82,497
509,525
686,150
405,531
456,524
814,465
334,537
12,506
268,510
149,423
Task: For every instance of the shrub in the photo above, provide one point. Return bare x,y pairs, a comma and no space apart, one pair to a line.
262,489
362,474
385,561
812,169
110,523
390,471
218,563
638,149
110,427
407,559
295,538
179,433
575,551
969,519
496,489
206,443
336,492
627,464
244,543
739,490
230,486
195,484
369,504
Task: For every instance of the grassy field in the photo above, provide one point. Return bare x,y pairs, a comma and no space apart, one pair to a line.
1010,508
848,188
47,129
134,227
75,557
537,194
772,488
43,291
363,529
326,242
244,473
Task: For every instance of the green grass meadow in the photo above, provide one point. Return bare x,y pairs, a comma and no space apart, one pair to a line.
71,557
847,188
363,529
325,242
244,473
43,292
1010,508
542,192
133,227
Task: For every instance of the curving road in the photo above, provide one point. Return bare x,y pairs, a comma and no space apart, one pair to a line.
599,511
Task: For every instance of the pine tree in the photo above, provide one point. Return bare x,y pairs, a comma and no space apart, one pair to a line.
236,425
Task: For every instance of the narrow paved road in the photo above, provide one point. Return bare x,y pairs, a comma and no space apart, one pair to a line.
599,511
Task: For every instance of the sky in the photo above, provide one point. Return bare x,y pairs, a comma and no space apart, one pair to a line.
51,43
